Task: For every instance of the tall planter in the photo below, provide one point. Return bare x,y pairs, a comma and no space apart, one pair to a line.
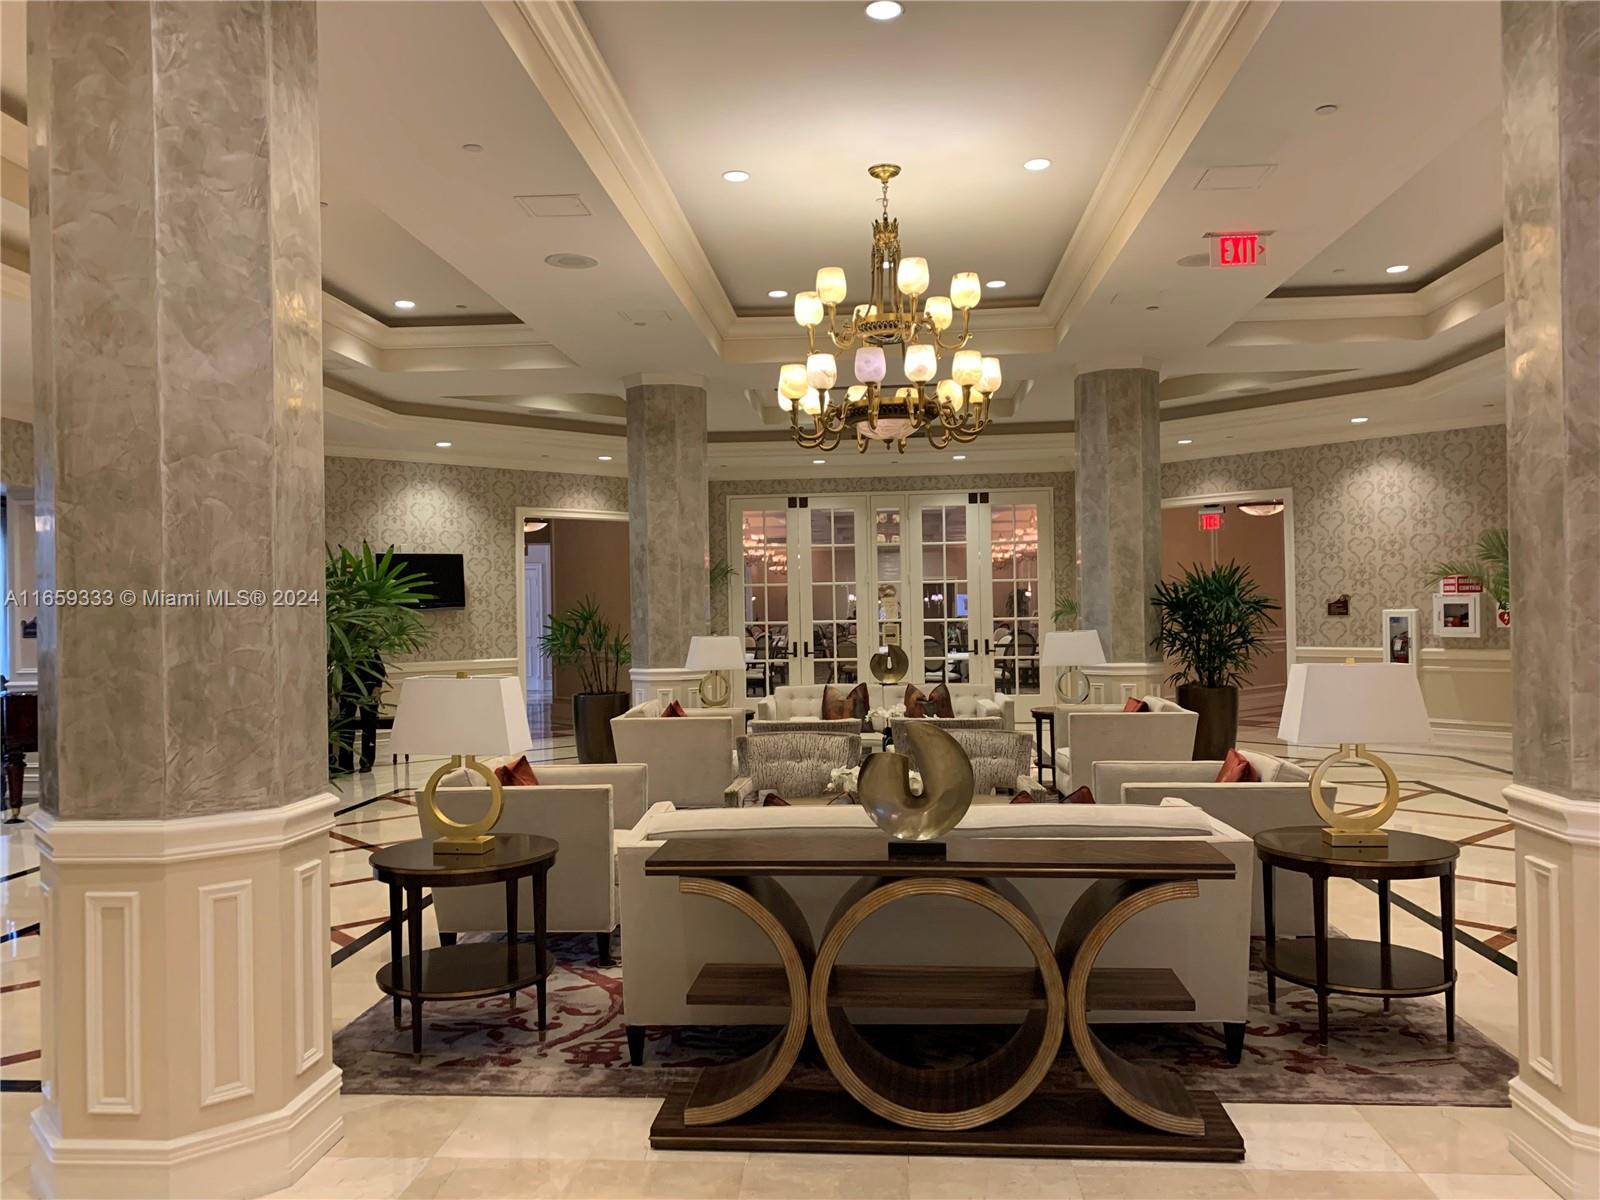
1217,729
591,723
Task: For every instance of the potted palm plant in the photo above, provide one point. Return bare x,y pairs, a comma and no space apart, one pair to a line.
1213,622
583,639
370,602
1490,566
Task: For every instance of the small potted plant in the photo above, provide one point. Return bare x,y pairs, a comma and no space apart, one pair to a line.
1489,567
1213,622
583,639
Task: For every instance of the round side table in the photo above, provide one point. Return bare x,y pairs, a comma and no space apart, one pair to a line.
471,970
1353,966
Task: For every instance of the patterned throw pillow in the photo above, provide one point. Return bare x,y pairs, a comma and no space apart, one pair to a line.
1236,769
516,774
1134,704
675,709
1082,796
915,701
840,705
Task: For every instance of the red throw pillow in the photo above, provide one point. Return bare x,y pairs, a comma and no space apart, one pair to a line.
939,698
860,701
836,703
1022,798
516,774
1134,704
1082,796
915,702
675,709
773,800
1236,768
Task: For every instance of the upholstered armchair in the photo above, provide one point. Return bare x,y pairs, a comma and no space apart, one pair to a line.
580,805
793,765
1001,760
1164,734
690,757
897,725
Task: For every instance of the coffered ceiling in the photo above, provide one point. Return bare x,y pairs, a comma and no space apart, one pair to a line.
471,149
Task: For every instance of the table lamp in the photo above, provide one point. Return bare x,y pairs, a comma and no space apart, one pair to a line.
1071,649
1353,704
713,655
463,716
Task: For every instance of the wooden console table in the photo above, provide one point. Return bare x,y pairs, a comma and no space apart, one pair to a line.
989,1107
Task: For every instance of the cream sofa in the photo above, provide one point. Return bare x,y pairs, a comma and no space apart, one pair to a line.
690,757
1281,796
803,701
581,806
1206,941
1165,733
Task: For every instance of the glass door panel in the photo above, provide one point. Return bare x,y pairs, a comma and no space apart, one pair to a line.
944,650
834,527
1020,591
764,603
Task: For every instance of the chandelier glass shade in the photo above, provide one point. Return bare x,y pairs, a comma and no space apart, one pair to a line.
895,314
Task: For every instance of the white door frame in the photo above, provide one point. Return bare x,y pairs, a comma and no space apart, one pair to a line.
565,514
1286,495
536,566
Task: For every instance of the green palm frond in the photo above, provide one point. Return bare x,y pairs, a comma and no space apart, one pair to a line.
581,637
1213,622
1491,568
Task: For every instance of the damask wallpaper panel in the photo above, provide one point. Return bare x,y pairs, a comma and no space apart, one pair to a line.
1369,518
16,453
443,509
1063,515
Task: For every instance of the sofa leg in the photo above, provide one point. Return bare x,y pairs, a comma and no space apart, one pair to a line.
446,938
636,1045
602,943
1233,1039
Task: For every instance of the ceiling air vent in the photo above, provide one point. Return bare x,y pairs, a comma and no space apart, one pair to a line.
570,205
646,316
1233,179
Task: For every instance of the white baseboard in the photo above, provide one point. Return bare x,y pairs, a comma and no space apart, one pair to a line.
243,1158
1562,1152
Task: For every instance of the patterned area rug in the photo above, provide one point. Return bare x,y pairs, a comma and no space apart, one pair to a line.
477,1048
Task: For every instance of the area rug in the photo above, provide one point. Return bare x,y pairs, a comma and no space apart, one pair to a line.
477,1048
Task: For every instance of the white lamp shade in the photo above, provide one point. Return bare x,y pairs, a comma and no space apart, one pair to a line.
831,285
822,372
921,363
966,368
808,309
912,278
1332,703
715,654
951,393
965,290
1071,648
939,311
811,402
989,381
478,715
792,381
870,364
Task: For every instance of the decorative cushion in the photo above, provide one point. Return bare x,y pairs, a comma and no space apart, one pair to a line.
839,705
915,701
1161,704
1082,796
1134,704
516,773
939,698
1271,769
675,709
773,800
1022,798
1236,769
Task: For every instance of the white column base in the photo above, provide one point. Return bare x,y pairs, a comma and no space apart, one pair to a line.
666,684
187,1043
1555,1125
1114,682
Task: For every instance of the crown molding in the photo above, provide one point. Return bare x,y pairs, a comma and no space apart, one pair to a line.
559,54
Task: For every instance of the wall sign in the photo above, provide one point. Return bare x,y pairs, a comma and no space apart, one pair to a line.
1460,585
1339,606
1236,249
1211,518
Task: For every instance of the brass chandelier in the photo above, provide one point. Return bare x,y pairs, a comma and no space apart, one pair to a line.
953,409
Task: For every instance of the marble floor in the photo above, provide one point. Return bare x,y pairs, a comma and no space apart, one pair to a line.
431,1146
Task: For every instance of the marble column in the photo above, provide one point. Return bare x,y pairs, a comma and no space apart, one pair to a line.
668,544
1551,73
1118,480
176,293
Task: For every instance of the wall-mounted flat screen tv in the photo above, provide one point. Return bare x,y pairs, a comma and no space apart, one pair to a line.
444,577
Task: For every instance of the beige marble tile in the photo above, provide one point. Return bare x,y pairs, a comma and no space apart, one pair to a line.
1122,1181
1336,1185
498,1178
355,1179
550,1127
16,1181
1448,1140
1031,1179
1486,1187
948,1178
1312,1137
842,1176
406,1127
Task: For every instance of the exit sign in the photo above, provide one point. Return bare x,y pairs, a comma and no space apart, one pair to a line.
1235,249
1211,518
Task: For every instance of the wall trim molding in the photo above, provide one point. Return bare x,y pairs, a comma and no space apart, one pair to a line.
184,839
215,958
1563,1152
1576,822
105,1043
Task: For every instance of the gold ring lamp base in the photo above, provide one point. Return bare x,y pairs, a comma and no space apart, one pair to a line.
715,691
1062,696
1363,827
464,837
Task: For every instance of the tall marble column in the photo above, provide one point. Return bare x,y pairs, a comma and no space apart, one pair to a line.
1118,424
668,545
1551,67
176,293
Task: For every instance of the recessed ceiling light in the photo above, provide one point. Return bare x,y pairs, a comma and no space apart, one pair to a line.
885,10
1185,441
1358,420
777,294
1036,164
995,284
736,176
959,457
1325,110
472,147
1152,308
817,462
444,445
605,458
572,262
1397,269
405,303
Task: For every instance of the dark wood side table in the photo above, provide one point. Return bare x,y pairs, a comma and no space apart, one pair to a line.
470,970
1353,966
1041,715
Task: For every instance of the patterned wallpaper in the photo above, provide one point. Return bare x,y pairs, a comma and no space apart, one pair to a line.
471,511
1063,519
1369,517
16,453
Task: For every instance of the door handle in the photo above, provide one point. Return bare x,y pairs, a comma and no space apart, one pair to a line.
806,649
986,648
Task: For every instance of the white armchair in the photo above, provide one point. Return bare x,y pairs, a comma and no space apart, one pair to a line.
1165,734
579,806
690,757
1281,797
